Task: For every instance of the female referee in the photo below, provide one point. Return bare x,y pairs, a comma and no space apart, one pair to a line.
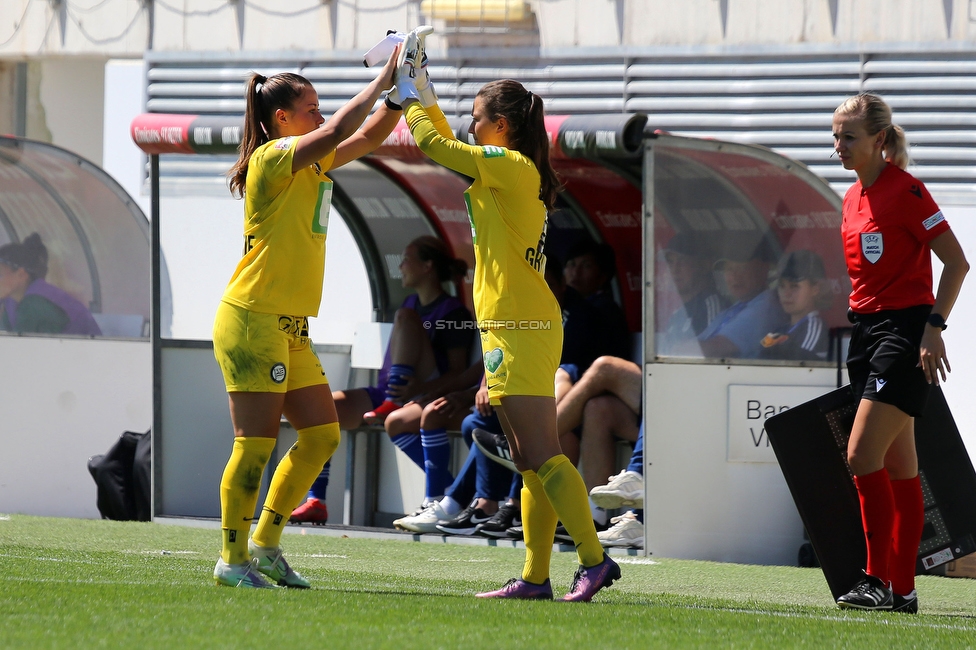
890,225
261,327
519,318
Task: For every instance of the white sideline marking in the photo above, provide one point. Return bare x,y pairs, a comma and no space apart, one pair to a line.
628,561
164,552
434,559
4,517
327,555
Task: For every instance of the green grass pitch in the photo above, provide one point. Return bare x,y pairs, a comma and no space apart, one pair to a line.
84,584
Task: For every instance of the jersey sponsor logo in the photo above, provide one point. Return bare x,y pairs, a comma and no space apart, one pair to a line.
278,373
934,220
491,151
872,246
493,359
881,384
284,143
916,190
320,218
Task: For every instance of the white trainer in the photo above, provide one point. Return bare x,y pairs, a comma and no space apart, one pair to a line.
240,575
424,522
626,531
625,490
272,563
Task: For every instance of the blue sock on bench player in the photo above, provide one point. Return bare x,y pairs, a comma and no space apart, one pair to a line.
437,457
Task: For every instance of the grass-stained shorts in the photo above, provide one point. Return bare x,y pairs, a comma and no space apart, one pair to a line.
264,353
521,361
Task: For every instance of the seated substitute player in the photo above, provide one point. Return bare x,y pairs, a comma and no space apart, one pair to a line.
28,303
431,339
801,291
690,265
737,332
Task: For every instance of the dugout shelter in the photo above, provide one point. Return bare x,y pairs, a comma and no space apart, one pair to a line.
66,397
714,489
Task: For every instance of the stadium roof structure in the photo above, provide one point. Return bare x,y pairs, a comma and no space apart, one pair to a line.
98,239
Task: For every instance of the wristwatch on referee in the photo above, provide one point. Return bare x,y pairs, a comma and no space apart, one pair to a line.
936,320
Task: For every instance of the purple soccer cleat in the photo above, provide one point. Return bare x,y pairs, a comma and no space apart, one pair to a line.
518,588
589,580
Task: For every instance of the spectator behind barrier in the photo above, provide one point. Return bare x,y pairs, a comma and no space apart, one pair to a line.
737,332
28,303
422,362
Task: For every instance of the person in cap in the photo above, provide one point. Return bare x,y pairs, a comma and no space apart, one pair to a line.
801,291
737,331
28,303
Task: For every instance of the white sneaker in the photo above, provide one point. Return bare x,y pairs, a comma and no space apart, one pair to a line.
426,521
272,563
626,531
625,490
240,575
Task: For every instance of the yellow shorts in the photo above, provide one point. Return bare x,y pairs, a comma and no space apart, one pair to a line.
521,362
264,353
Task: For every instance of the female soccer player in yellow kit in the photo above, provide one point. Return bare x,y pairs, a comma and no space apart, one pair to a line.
261,328
520,321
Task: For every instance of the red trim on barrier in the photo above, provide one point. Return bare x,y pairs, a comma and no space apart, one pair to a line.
157,133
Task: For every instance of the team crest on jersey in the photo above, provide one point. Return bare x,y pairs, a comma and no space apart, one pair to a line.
284,143
872,245
491,151
493,359
278,373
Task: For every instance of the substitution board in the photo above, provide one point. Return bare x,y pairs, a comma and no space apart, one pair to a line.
810,443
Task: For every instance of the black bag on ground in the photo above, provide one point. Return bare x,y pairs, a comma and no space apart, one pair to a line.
122,476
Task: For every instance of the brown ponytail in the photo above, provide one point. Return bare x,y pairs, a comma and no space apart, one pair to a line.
526,118
264,96
432,249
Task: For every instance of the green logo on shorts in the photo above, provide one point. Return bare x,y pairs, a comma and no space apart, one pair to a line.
493,359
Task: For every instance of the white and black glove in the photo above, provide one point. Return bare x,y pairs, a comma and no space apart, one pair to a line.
412,80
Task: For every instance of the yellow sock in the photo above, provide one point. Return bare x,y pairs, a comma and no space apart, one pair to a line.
539,526
292,478
239,487
566,491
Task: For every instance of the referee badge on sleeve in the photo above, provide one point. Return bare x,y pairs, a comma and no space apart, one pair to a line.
872,245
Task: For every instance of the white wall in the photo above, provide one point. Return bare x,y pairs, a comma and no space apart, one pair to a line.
71,91
714,490
960,344
62,401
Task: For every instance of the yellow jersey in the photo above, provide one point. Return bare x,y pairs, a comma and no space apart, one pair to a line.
286,219
508,225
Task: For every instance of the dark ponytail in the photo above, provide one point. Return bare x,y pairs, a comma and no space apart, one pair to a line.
264,96
432,249
527,134
30,255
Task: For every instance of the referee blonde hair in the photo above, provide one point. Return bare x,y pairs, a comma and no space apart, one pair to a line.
876,115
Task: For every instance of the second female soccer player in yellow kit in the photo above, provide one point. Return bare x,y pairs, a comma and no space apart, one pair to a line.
519,319
261,328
